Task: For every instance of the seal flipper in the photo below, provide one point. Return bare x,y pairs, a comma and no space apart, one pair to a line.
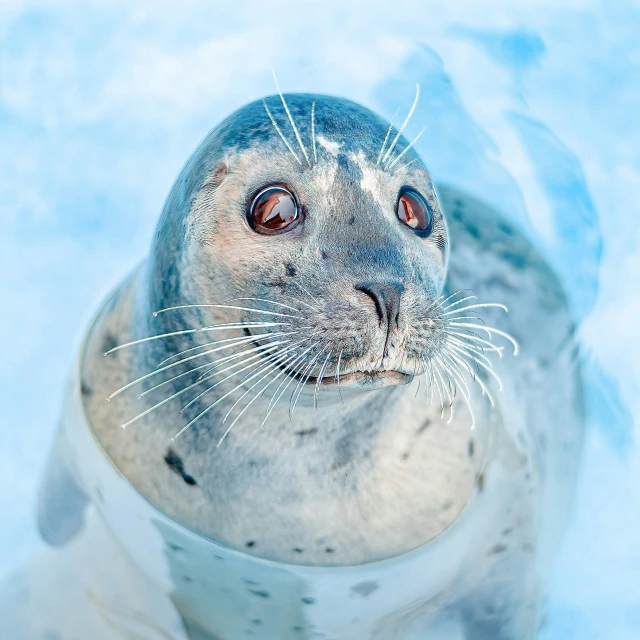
61,501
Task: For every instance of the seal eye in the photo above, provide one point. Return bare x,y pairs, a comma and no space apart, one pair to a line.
414,211
274,210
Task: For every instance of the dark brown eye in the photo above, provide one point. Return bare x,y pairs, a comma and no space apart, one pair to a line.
414,211
273,210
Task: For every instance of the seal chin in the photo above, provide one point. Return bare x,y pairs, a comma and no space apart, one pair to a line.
368,379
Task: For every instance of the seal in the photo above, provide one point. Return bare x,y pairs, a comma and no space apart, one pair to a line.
300,373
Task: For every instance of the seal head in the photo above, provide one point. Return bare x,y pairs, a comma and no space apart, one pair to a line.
320,223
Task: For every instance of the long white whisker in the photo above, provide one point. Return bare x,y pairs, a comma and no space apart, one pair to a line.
155,372
395,162
277,128
291,120
478,306
489,331
404,124
216,327
214,364
480,363
227,306
474,339
184,390
274,361
319,380
457,302
235,341
384,142
255,397
261,362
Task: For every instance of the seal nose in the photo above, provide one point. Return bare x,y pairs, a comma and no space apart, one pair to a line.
386,296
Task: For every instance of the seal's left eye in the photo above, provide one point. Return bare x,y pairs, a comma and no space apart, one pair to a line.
274,210
414,211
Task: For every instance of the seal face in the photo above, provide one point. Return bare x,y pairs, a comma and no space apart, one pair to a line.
346,243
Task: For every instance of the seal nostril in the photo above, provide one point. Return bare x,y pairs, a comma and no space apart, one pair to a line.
386,296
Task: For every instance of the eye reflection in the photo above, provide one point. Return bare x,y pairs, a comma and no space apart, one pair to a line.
274,210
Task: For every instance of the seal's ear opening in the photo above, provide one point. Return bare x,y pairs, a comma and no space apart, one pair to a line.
61,502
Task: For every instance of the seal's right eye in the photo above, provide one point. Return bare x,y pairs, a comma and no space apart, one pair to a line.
273,210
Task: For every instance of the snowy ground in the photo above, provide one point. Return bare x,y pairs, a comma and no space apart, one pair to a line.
532,107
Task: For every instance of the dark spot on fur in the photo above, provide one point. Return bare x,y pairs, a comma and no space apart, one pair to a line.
328,550
472,448
175,547
447,505
250,543
505,228
507,531
217,557
352,219
256,621
251,583
308,600
324,254
85,389
298,550
365,588
499,548
297,628
187,579
405,456
306,432
291,270
176,465
423,426
110,342
480,482
261,593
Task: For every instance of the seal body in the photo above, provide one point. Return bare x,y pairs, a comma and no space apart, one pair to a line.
384,496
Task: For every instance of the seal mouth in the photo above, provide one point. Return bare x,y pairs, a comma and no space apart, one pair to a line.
373,379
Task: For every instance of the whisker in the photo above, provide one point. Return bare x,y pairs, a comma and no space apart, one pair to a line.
277,128
308,375
252,364
279,304
478,306
404,167
297,284
275,361
489,331
471,337
226,306
404,124
293,372
255,397
181,391
338,377
319,380
384,143
212,365
213,404
395,162
480,363
216,327
457,302
165,368
235,340
291,120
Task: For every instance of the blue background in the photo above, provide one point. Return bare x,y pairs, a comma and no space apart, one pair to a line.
533,108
